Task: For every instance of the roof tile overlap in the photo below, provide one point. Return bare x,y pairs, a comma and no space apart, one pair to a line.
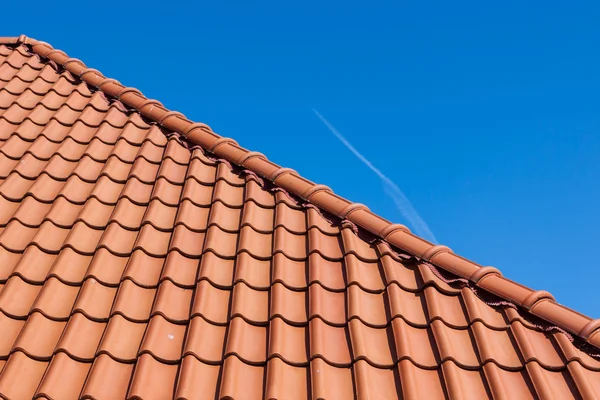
136,264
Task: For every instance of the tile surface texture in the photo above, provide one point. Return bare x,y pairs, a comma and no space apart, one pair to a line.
135,265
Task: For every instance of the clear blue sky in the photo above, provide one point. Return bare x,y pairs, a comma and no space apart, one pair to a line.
486,116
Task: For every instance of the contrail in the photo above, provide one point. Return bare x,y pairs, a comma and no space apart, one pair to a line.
390,188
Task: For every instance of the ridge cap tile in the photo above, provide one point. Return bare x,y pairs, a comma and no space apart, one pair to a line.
149,257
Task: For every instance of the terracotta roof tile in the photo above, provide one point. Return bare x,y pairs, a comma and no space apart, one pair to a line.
143,256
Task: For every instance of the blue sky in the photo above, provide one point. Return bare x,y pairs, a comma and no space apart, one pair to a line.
485,115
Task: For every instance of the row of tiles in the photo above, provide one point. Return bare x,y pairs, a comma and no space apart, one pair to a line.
201,186
36,266
57,300
62,213
106,378
124,340
121,241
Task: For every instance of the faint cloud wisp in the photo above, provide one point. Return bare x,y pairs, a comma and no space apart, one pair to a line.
390,188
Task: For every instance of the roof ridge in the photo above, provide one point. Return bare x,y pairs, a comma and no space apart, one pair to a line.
537,302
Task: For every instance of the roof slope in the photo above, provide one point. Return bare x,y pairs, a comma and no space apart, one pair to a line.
142,255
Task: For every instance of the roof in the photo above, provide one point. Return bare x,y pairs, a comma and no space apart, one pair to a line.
144,256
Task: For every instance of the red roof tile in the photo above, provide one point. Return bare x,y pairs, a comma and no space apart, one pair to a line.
144,256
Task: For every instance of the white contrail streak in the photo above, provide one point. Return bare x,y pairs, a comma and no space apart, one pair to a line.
390,188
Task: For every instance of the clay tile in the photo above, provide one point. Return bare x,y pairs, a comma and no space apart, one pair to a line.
372,382
173,172
590,328
502,381
329,382
95,300
288,342
87,71
316,220
165,192
403,274
283,379
153,241
255,273
105,267
478,310
17,296
172,302
293,274
257,244
293,220
534,297
350,208
152,379
280,172
483,272
177,152
197,377
249,155
21,376
536,345
329,247
205,340
74,60
127,90
329,274
430,278
133,302
455,344
69,266
495,345
211,303
371,344
291,306
370,308
314,189
462,382
122,339
181,270
107,81
8,335
408,305
142,268
190,243
126,213
116,239
327,305
415,344
248,342
226,218
39,336
292,245
232,387
252,305
34,265
163,340
55,299
433,251
329,343
258,195
81,337
231,196
149,102
391,228
219,271
105,369
259,218
220,142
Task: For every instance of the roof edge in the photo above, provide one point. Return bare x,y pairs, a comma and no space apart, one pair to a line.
538,303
